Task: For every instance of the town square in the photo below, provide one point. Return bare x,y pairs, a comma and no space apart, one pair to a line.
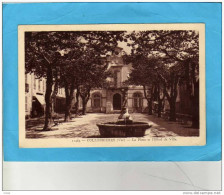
112,84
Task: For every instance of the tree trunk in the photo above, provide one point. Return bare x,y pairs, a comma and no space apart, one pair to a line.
69,97
195,98
85,98
68,108
150,107
84,103
195,106
48,100
159,107
172,109
53,98
172,97
149,101
160,101
77,102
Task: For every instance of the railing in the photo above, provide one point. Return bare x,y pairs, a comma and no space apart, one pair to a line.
117,85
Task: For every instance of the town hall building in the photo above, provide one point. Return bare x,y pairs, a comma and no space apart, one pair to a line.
110,100
106,100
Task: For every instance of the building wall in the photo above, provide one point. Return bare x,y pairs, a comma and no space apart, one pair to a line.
28,94
131,96
183,102
36,87
121,72
106,100
101,95
101,100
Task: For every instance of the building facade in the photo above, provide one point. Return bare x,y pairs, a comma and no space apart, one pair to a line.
35,89
106,100
110,100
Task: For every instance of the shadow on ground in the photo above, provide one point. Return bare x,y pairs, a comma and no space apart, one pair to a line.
86,127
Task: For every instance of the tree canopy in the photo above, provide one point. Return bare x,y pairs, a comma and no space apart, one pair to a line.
70,60
164,59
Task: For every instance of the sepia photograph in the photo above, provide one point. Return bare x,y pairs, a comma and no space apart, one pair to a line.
112,85
112,96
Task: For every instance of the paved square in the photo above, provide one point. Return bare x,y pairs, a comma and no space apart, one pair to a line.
85,127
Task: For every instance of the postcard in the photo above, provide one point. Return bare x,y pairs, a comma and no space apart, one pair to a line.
111,85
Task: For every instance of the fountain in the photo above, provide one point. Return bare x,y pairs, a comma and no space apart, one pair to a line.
125,126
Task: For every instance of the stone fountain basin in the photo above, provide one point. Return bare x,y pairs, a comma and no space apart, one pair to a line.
113,129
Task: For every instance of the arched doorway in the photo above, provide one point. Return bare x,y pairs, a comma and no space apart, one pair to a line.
117,101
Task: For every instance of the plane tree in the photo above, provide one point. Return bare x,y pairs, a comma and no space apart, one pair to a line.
177,54
73,60
85,65
41,58
143,74
93,65
69,78
181,48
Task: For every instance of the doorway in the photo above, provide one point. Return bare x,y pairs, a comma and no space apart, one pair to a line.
117,101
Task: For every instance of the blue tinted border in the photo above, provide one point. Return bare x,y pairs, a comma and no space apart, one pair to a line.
101,13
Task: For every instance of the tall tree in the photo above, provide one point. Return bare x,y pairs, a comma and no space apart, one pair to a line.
178,52
182,47
41,58
93,71
170,79
84,65
93,63
69,72
143,74
159,95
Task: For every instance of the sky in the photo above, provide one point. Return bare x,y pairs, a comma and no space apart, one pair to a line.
126,48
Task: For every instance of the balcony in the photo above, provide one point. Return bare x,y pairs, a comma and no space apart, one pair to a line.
117,85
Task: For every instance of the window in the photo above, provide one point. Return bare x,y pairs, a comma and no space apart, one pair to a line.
26,105
34,83
96,100
39,81
137,100
115,78
43,86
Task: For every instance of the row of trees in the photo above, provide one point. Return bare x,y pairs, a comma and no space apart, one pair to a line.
76,61
72,60
161,61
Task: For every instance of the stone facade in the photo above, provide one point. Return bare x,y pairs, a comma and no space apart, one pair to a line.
110,100
35,96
